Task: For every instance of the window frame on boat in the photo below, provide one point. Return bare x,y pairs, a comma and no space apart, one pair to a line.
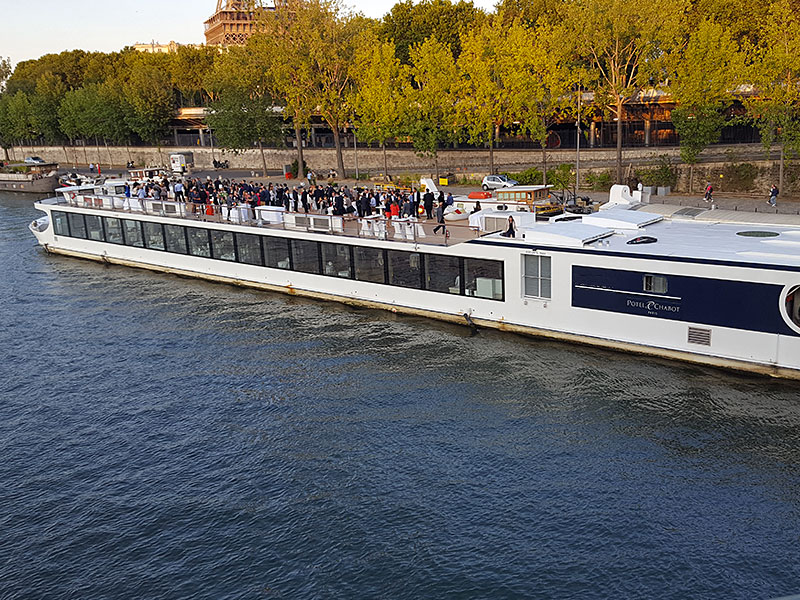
530,275
369,264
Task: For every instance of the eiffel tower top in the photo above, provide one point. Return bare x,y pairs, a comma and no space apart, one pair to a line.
231,24
232,5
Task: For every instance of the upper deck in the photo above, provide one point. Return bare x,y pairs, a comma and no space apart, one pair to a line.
413,231
649,235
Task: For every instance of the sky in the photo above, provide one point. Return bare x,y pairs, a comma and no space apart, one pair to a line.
29,30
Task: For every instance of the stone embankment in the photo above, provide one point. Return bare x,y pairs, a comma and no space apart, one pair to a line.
722,165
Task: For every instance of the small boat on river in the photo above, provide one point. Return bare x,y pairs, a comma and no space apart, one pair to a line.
37,178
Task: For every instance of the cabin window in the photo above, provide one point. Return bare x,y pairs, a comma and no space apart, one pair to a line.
305,256
249,248
94,228
276,252
405,269
443,274
60,225
113,230
656,284
175,238
133,233
77,227
153,235
369,265
483,278
537,277
222,245
336,260
199,244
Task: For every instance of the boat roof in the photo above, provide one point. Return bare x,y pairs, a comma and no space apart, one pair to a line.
523,188
701,241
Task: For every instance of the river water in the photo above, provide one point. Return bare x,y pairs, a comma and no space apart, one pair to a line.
168,438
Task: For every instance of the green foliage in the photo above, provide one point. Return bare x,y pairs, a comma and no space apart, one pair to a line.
431,117
664,174
531,176
697,127
408,24
240,120
600,182
149,106
561,177
738,177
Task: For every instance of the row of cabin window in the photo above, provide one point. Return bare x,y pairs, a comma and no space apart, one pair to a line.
448,274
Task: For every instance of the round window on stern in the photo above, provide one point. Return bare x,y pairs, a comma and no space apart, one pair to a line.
791,307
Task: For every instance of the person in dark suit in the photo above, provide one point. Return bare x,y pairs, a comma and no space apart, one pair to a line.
427,201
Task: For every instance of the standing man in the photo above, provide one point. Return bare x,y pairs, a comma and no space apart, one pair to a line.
773,195
427,201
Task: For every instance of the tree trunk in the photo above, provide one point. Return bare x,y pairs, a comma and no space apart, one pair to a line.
301,172
64,148
337,141
385,162
491,151
691,178
544,162
619,140
781,166
85,156
436,166
108,149
128,149
263,158
5,153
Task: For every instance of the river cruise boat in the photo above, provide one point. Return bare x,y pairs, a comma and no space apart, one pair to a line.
716,293
37,178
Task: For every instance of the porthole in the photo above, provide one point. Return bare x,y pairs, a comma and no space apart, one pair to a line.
790,307
758,234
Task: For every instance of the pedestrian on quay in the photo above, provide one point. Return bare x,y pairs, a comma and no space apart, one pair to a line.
709,191
773,196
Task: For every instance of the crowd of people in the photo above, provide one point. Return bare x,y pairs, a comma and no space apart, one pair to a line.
207,196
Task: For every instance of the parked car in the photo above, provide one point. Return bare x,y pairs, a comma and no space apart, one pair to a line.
34,160
493,182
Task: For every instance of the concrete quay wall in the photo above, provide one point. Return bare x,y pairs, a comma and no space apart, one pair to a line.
473,163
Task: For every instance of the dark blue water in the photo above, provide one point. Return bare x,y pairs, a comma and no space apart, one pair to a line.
168,438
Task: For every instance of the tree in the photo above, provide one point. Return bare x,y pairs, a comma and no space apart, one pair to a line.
703,78
409,24
623,41
380,81
44,107
190,69
431,118
149,106
776,74
542,82
18,117
306,51
240,118
488,73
